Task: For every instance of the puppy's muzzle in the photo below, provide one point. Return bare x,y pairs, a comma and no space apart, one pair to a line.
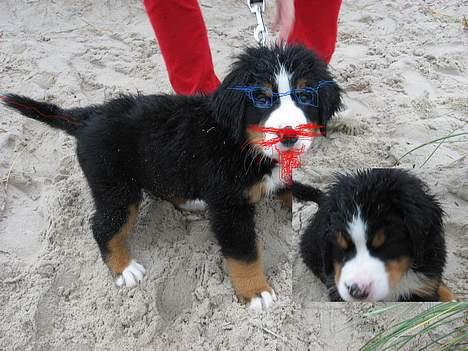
288,136
359,292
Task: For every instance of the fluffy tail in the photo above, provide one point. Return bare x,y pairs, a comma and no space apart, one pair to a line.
68,120
304,192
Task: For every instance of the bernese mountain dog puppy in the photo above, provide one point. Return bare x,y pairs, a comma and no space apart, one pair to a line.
196,148
377,236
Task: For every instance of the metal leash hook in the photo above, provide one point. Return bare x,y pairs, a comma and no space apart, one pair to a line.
260,32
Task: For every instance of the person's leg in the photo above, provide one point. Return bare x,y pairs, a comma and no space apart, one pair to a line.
316,26
183,39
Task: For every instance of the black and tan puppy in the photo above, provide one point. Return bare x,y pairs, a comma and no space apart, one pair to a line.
377,236
196,148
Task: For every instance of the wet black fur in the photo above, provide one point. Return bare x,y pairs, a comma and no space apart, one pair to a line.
182,146
390,199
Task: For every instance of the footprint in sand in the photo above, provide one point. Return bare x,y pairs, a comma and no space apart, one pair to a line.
175,293
416,85
47,315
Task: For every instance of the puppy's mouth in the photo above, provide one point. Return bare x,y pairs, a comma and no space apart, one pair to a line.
289,140
366,285
283,145
284,138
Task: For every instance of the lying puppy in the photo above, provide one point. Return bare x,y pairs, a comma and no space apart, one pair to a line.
196,147
377,236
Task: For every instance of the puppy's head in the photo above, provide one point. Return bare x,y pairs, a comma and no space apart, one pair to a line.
385,226
278,89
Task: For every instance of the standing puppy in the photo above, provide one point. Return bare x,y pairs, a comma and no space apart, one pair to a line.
196,148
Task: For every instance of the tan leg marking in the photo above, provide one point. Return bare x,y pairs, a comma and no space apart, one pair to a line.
286,198
256,192
396,269
247,278
445,294
118,257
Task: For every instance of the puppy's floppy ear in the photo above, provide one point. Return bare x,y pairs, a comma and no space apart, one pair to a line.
424,220
327,256
418,240
330,102
229,106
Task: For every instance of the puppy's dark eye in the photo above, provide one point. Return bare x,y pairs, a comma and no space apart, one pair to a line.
305,97
261,98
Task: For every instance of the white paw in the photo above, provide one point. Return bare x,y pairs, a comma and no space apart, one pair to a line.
262,302
193,205
131,276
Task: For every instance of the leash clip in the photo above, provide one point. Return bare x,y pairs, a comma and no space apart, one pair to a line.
260,32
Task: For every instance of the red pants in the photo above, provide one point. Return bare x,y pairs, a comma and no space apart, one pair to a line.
183,39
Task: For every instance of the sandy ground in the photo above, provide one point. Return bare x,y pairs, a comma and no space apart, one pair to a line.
403,65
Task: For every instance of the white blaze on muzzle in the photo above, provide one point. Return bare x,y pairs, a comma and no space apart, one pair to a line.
287,115
363,277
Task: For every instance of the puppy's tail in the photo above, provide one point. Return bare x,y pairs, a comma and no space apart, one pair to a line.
68,120
304,192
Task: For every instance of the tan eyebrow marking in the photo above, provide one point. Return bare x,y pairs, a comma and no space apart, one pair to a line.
378,240
301,84
342,242
269,89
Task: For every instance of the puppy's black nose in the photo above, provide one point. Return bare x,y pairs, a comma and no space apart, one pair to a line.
358,292
288,136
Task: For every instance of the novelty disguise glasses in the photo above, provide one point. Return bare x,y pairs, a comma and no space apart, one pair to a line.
265,97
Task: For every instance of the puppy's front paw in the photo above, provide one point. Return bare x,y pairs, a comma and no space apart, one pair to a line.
250,284
263,301
131,275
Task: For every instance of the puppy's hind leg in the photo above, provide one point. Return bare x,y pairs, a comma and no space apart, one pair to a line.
111,225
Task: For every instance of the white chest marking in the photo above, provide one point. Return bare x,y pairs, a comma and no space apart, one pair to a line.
273,181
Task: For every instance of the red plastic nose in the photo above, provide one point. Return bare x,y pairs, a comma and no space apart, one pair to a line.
288,136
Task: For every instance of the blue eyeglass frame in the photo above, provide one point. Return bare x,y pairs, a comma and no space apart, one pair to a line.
250,90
